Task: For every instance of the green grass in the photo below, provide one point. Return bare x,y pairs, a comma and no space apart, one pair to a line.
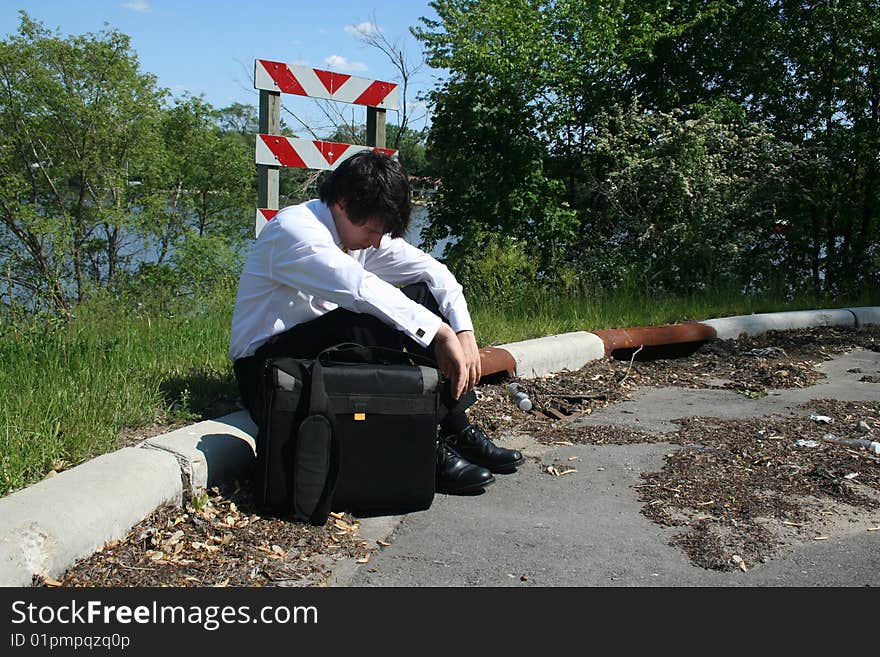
69,391
536,314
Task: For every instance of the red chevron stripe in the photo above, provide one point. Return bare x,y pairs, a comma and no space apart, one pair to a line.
268,214
284,151
375,93
390,152
331,81
283,77
331,150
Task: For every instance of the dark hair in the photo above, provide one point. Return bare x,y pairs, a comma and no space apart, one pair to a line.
373,186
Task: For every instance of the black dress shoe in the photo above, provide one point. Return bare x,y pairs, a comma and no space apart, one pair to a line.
475,446
457,476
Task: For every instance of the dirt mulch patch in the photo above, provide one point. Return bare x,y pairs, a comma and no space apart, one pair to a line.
742,488
735,484
218,539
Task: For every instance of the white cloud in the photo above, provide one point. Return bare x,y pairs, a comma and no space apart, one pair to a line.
341,63
363,29
138,5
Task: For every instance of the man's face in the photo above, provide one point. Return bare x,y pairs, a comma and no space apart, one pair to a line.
353,236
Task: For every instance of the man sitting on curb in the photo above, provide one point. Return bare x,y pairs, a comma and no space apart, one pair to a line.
328,271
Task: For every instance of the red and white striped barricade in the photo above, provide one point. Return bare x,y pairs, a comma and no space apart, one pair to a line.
276,150
317,83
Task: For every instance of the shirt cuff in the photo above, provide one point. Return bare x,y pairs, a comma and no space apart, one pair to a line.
427,325
460,320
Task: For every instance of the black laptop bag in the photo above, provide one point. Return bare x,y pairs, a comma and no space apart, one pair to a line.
355,429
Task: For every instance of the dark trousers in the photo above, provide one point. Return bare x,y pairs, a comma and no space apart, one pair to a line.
309,339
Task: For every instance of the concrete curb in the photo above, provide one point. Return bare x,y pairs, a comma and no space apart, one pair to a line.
543,356
729,328
46,527
866,315
212,451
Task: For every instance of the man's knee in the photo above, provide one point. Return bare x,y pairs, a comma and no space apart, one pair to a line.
422,295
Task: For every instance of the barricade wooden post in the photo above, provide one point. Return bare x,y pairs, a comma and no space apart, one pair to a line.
267,175
375,127
274,151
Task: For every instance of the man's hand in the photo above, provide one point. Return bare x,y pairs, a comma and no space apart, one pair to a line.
472,358
458,358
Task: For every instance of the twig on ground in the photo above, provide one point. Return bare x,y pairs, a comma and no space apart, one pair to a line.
632,358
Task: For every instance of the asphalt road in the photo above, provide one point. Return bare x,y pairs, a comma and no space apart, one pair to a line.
586,529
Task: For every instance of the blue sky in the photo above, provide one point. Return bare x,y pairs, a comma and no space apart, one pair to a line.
209,48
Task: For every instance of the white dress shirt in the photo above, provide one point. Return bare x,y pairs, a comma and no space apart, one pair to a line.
298,271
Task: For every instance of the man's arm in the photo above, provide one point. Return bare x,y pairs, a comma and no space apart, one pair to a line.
401,263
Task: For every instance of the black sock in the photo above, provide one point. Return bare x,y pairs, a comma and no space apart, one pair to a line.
454,423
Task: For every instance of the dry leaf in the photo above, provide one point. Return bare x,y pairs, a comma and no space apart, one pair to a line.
788,523
821,538
233,508
565,472
383,543
277,549
48,581
552,470
222,584
573,458
365,558
338,516
874,529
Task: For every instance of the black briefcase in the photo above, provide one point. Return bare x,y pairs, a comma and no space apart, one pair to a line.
385,415
354,430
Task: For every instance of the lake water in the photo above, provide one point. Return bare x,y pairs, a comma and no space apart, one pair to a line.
420,218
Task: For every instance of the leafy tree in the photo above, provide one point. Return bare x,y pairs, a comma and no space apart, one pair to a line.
211,171
77,124
790,87
100,180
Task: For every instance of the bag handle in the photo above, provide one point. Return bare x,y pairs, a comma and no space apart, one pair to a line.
348,352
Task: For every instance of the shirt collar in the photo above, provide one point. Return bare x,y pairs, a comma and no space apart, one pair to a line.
322,212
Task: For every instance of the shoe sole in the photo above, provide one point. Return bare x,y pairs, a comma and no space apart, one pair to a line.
505,469
464,490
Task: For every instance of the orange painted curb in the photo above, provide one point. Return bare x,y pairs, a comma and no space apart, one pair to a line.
494,360
653,336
